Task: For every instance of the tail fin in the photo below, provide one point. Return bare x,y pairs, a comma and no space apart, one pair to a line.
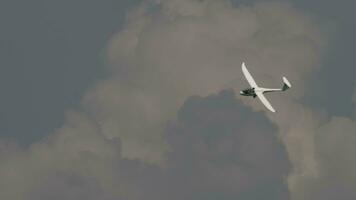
286,84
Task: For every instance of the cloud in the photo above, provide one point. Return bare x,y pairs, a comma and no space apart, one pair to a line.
171,50
175,49
334,144
70,162
216,151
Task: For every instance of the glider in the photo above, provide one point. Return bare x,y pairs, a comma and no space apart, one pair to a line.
256,91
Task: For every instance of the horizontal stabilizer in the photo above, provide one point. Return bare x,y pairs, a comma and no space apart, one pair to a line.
286,84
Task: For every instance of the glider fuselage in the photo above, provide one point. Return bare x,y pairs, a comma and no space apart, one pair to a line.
248,92
252,91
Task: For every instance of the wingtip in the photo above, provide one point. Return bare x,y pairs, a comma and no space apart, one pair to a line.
286,81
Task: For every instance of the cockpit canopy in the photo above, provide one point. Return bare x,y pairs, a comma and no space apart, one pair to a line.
249,91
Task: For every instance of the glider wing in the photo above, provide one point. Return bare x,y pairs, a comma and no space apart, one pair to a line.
265,101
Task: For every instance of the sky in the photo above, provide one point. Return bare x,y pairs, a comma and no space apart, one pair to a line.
136,100
51,52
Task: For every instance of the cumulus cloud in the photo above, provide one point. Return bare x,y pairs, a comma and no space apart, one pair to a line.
176,49
335,147
217,151
68,164
171,50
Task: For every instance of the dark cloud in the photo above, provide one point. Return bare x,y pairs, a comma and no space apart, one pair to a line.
217,151
69,186
335,144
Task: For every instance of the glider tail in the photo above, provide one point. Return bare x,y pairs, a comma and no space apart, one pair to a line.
286,84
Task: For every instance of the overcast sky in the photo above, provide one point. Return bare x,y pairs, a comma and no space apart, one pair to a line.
122,85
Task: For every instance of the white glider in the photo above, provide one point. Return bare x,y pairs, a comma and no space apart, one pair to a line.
255,90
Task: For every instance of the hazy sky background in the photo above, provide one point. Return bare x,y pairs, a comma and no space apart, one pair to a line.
106,96
51,52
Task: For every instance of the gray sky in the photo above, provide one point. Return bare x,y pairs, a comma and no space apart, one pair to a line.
110,95
50,53
337,73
